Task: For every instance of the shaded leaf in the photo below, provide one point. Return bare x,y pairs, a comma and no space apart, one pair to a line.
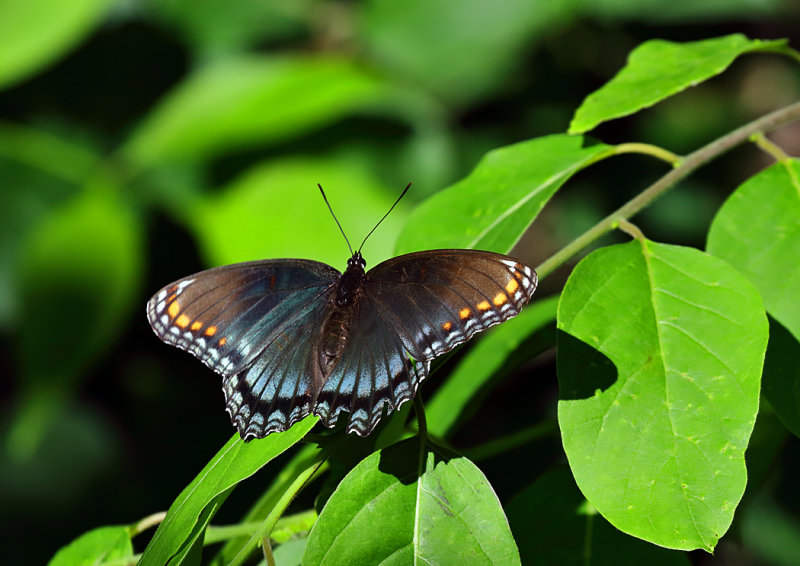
403,504
99,545
549,516
481,44
758,231
194,507
492,207
658,69
482,362
781,380
659,448
81,268
36,32
237,102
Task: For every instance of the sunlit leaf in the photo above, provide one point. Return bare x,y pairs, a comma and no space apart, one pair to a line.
34,33
757,230
195,506
492,207
658,69
404,505
99,545
276,210
659,365
238,102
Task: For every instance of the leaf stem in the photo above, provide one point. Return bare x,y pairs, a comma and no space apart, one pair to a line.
684,167
648,149
768,147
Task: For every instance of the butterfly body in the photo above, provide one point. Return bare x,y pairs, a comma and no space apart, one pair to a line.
293,337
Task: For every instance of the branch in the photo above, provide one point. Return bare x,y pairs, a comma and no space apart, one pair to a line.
684,167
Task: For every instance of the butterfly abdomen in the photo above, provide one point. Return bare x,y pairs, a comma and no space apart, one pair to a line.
333,338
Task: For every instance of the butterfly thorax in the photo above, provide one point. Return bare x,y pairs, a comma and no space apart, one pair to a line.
336,327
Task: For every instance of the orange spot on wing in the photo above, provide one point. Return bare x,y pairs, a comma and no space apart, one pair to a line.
512,286
211,330
222,341
447,325
197,325
183,321
173,309
483,306
499,299
464,313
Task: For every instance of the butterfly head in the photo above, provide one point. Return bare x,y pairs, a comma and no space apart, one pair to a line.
356,261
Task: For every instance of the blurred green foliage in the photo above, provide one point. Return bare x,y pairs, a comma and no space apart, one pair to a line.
142,141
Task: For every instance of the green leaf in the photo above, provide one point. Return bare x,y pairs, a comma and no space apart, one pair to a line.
549,516
195,506
80,274
658,69
492,207
656,441
299,462
491,354
36,32
406,505
99,545
758,231
781,379
238,102
458,50
275,210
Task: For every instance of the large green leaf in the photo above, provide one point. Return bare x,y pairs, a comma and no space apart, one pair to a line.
658,69
103,544
410,504
492,207
276,210
195,506
33,33
549,516
236,102
656,441
469,379
758,231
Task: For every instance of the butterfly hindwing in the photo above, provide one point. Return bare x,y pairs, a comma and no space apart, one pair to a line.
375,370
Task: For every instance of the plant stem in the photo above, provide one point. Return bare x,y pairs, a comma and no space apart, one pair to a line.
684,167
280,506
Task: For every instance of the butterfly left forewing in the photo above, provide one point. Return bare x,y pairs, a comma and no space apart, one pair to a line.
254,323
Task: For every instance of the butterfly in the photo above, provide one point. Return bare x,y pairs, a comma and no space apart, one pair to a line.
292,337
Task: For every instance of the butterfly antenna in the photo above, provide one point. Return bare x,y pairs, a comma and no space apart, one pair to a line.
408,186
336,219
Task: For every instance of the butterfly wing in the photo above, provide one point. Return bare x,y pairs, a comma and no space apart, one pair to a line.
254,324
375,369
413,308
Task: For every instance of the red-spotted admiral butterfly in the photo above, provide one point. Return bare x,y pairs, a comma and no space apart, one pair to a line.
292,337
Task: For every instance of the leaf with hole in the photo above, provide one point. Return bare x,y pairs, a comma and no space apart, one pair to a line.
659,360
